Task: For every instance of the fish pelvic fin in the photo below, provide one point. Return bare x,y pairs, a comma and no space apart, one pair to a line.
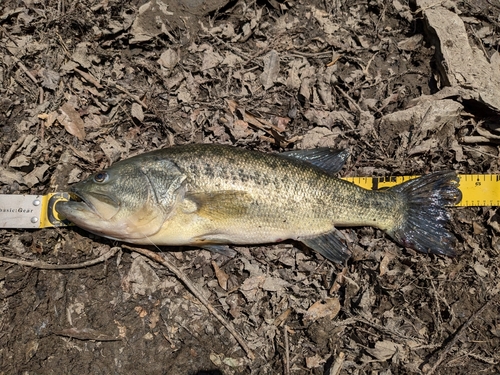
331,245
424,223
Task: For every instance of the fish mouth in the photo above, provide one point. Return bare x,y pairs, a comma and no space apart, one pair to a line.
83,204
89,201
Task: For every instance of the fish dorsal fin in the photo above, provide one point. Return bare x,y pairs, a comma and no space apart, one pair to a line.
328,159
219,205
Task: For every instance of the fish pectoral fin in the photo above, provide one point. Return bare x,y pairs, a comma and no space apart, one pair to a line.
328,159
220,205
331,245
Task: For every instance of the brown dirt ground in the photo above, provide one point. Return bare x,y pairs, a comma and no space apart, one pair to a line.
107,88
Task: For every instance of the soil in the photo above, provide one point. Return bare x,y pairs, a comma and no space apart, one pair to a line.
86,83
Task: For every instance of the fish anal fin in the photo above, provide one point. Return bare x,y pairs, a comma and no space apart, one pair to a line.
220,249
331,245
328,159
221,205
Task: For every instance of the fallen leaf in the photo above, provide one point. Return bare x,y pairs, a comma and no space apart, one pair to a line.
36,175
137,112
48,118
274,284
323,309
141,278
222,277
72,121
211,59
271,69
251,286
384,263
169,59
384,350
8,177
282,317
481,270
19,161
314,361
50,78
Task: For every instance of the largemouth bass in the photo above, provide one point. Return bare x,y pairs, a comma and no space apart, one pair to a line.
214,195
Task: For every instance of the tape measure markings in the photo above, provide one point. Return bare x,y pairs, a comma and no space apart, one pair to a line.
477,189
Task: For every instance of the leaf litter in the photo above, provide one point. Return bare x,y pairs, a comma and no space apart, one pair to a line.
404,91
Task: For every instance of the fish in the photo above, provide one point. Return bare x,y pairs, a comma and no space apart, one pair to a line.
212,196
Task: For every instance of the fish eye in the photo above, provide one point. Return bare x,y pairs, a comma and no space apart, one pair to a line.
101,177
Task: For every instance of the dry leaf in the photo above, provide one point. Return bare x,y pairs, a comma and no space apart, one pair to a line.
169,59
36,175
141,311
274,284
384,263
141,278
211,59
8,177
314,361
48,118
481,270
112,149
239,129
323,309
271,69
222,277
137,112
19,161
251,286
384,350
282,317
50,78
72,121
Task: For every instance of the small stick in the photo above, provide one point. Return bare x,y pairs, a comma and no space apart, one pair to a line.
125,91
456,336
337,365
287,351
48,266
89,78
185,280
13,148
477,139
23,67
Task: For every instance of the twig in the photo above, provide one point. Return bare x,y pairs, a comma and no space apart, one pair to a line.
479,151
125,91
89,78
456,336
48,266
438,319
381,328
26,71
13,148
182,277
477,139
351,100
287,351
337,365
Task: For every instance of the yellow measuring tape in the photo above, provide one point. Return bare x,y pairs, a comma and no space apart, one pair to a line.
477,189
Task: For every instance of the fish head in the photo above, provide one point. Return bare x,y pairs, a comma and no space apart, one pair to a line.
128,201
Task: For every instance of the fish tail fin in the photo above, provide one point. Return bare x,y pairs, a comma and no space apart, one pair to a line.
423,226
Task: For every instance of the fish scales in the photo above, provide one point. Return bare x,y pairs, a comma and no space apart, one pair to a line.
285,192
213,195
